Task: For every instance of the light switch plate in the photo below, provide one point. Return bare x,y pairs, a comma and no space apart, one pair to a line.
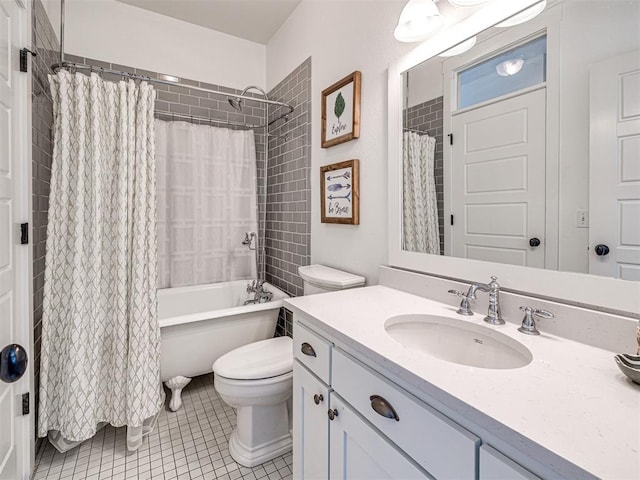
582,219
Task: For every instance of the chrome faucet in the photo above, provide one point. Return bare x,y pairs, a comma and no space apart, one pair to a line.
494,316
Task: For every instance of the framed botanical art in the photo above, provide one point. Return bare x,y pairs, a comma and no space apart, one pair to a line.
340,193
341,111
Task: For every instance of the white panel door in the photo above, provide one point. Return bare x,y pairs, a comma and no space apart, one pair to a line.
497,178
358,452
310,426
614,174
15,455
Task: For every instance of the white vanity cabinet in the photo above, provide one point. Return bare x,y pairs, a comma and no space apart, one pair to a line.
352,422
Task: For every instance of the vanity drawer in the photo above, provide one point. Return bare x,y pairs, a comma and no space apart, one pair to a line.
442,447
312,351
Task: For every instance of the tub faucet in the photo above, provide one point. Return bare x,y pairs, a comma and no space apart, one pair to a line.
494,316
260,295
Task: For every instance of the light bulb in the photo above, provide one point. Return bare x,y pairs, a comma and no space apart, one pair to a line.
509,67
418,19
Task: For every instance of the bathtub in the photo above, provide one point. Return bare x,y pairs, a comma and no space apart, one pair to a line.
198,324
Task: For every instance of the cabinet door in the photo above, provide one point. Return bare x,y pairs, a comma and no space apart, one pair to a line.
310,426
359,452
495,466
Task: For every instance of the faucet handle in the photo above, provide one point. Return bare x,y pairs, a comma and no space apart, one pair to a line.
465,308
528,323
458,293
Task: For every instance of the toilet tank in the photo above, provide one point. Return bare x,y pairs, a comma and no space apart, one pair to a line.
321,279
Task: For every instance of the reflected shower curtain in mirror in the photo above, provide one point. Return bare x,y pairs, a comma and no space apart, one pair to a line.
420,208
206,203
100,360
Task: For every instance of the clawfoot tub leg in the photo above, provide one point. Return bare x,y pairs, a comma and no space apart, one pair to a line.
176,384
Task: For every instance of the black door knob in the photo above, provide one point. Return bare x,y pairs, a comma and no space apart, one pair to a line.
534,242
13,363
601,250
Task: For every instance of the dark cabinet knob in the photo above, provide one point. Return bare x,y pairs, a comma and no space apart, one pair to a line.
317,399
534,242
13,363
601,250
332,413
307,349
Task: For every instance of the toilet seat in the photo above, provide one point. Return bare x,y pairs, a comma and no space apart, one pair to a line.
256,361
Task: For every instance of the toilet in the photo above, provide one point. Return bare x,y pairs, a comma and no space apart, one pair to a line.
321,279
257,380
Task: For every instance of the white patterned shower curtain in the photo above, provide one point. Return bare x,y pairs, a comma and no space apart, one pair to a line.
100,335
206,203
420,207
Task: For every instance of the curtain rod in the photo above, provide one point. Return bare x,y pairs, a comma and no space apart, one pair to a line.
208,120
81,66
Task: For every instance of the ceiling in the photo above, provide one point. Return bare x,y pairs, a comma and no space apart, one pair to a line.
255,20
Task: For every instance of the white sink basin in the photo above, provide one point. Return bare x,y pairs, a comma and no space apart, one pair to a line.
458,341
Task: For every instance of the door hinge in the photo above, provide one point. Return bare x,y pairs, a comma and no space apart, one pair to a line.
25,403
24,233
450,135
24,64
451,219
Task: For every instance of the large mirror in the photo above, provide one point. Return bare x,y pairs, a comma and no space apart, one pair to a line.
521,145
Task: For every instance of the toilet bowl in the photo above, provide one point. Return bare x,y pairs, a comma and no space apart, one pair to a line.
257,380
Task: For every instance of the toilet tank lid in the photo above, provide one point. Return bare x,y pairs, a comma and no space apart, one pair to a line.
263,359
329,277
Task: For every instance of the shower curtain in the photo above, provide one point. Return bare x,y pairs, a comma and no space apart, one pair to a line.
420,222
206,203
100,335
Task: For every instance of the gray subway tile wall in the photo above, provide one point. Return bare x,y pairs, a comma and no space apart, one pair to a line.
288,228
427,117
46,46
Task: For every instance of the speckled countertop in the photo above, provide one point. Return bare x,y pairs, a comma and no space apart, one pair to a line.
571,400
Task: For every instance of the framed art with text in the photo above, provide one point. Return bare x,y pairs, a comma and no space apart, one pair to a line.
340,192
341,111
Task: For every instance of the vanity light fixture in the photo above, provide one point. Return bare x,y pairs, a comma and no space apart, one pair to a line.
509,67
418,19
460,48
524,16
467,3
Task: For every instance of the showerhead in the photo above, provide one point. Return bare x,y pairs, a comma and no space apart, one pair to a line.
236,103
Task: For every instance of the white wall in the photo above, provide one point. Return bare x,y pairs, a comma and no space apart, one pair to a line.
118,33
340,37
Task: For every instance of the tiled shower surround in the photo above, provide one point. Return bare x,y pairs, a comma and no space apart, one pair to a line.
288,233
45,44
427,117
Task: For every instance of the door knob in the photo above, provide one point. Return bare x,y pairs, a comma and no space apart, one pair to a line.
601,250
534,242
13,363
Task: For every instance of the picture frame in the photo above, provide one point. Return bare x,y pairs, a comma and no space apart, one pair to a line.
340,192
341,110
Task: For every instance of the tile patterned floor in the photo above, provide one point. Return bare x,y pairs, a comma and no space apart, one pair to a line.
190,444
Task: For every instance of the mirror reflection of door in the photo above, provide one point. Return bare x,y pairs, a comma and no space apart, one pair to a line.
614,235
497,168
